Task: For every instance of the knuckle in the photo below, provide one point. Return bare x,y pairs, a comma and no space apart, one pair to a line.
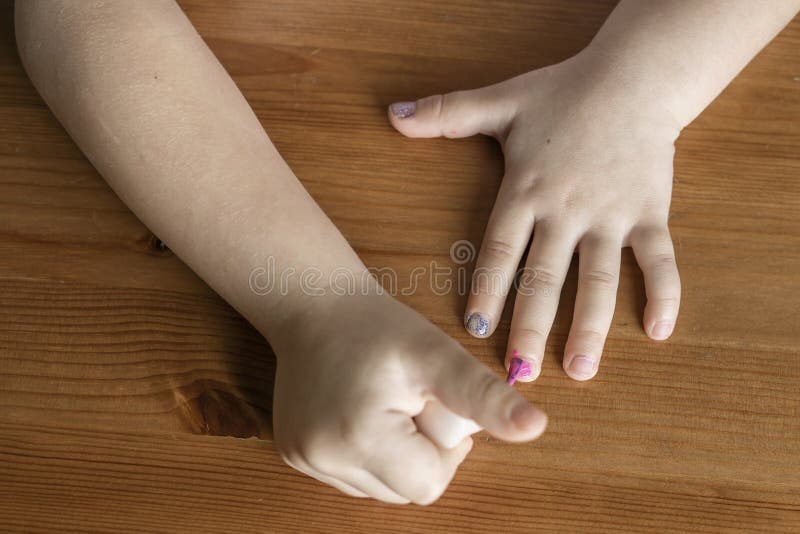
651,228
528,335
663,259
546,277
433,107
539,281
498,251
446,106
427,491
573,198
666,303
520,184
664,267
591,337
422,484
599,278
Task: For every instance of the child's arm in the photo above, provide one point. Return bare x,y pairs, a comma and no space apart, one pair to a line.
158,116
589,148
680,55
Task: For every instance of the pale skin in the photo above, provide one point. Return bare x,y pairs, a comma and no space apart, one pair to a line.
157,115
588,147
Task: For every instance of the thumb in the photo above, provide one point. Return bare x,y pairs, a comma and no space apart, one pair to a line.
458,114
471,390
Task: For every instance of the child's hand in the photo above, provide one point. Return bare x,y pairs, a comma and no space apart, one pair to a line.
589,167
351,380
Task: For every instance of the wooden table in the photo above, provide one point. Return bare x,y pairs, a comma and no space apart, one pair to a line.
132,398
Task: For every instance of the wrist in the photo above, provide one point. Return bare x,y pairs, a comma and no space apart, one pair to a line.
300,305
632,83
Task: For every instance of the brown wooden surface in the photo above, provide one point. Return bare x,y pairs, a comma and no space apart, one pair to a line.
132,398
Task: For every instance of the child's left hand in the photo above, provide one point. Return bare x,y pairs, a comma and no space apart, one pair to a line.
589,165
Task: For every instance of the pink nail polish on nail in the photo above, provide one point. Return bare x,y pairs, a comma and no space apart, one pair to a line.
518,368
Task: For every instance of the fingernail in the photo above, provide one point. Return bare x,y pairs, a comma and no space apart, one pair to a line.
477,324
518,368
582,366
403,110
662,330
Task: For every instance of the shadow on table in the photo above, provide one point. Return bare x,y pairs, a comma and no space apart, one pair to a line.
240,403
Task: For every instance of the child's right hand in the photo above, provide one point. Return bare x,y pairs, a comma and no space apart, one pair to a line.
352,376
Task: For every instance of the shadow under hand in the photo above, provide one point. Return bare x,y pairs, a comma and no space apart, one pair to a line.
240,404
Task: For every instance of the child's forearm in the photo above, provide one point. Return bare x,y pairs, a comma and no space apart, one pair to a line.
158,116
162,121
684,53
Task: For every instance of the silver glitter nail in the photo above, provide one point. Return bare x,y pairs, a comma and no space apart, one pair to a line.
478,324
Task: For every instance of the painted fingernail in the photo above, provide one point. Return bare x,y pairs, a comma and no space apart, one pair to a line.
662,330
582,366
518,368
403,110
477,324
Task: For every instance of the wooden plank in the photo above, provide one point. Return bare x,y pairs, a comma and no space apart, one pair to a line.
111,481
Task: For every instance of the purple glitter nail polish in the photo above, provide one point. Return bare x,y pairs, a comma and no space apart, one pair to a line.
403,110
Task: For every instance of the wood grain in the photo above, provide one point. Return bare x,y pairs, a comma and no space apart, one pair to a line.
133,399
